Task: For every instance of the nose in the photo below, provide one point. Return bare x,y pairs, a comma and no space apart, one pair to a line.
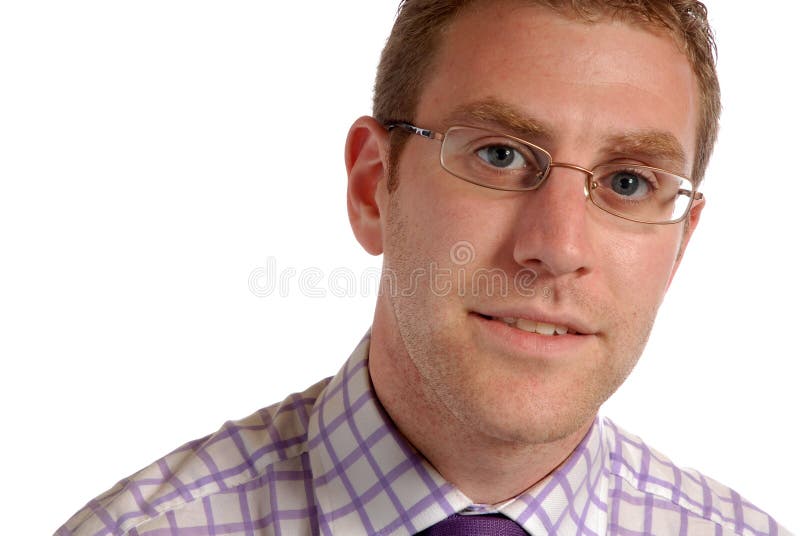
552,232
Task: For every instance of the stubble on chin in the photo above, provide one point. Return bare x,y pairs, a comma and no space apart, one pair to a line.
503,400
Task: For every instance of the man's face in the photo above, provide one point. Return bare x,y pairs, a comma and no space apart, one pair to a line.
605,92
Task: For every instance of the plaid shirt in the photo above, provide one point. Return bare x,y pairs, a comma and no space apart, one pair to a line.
329,461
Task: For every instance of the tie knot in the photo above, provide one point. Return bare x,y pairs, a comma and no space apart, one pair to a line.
475,525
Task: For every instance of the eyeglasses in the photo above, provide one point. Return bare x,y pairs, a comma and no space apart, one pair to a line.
630,191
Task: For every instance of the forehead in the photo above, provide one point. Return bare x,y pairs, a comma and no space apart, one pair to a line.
583,81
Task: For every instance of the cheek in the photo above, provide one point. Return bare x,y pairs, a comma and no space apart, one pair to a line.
641,264
451,220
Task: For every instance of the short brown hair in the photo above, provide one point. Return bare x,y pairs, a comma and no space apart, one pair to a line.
409,54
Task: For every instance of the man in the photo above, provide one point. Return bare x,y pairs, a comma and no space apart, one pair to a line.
531,177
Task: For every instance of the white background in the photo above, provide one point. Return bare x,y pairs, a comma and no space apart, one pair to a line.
154,153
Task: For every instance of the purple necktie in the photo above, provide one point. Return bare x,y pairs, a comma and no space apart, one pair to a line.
476,525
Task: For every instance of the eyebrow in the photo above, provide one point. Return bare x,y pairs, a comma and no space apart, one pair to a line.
661,148
494,112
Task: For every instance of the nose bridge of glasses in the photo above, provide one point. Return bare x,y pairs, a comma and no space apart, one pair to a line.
588,172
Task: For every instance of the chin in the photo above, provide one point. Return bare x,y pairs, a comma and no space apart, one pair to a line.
524,419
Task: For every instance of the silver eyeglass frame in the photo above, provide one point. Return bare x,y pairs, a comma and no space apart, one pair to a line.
589,184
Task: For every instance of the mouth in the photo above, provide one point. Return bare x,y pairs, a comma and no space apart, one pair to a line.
524,324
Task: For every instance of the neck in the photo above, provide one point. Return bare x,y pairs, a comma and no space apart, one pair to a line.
487,469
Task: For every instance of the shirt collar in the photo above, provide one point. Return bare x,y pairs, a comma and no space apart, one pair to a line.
572,499
367,478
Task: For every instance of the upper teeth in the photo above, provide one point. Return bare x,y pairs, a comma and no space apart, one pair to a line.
542,328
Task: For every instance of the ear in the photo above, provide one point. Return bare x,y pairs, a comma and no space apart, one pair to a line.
366,158
689,226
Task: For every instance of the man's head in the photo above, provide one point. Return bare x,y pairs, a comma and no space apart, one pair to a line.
478,281
410,54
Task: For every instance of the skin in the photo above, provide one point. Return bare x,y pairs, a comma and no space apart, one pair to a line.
493,409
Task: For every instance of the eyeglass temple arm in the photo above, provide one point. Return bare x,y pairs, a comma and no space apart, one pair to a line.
408,127
697,195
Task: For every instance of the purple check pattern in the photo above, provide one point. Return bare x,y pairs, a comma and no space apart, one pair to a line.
328,461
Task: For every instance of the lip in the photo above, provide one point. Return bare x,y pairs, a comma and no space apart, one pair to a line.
574,325
516,342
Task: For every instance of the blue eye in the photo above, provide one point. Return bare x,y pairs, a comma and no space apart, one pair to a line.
629,184
502,156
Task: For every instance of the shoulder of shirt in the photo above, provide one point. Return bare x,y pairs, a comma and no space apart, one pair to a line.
238,453
644,472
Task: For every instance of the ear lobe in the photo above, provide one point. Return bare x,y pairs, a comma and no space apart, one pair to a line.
689,226
366,157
